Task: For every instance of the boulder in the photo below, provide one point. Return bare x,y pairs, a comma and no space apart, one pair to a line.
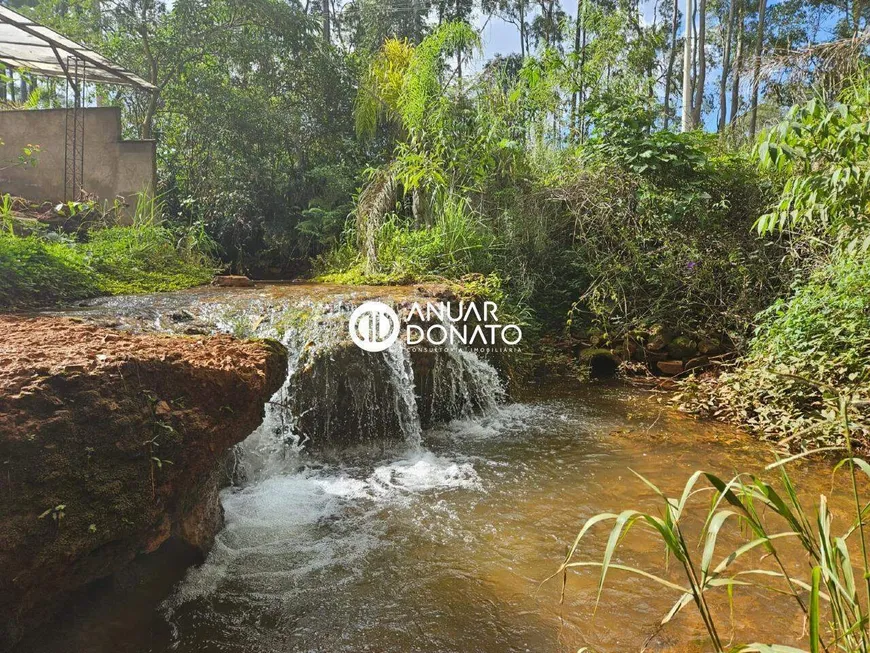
710,347
659,338
682,347
670,367
232,281
110,445
602,363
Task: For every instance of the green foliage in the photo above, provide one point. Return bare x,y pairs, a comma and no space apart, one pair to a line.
823,152
404,83
624,133
809,345
148,256
768,518
455,245
34,270
661,226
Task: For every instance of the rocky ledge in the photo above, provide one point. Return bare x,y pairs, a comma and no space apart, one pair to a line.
111,444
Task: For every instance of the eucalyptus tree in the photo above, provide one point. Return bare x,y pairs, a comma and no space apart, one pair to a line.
726,63
756,68
672,55
366,24
688,63
513,12
701,77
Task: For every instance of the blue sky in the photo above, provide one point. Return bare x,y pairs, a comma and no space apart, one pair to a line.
500,37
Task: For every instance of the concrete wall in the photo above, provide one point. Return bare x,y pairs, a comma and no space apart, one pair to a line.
112,167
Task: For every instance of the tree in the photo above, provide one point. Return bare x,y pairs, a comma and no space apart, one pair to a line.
756,69
513,12
577,97
688,64
701,78
726,64
672,55
738,66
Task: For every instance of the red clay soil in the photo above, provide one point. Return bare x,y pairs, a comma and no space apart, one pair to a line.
110,443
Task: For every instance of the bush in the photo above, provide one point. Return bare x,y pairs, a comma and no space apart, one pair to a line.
455,245
809,347
148,256
37,271
678,254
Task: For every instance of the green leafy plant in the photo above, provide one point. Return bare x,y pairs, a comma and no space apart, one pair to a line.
832,595
820,332
147,256
822,151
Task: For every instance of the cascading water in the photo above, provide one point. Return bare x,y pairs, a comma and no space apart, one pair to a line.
414,538
332,387
291,481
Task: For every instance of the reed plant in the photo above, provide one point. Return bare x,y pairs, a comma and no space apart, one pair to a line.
833,593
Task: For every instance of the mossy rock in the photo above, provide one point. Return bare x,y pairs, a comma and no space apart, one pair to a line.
682,348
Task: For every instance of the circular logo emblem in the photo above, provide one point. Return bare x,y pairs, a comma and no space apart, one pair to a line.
374,326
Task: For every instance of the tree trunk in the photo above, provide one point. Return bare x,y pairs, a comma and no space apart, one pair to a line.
458,49
756,71
738,66
726,63
146,133
327,37
578,53
522,6
688,51
702,65
669,76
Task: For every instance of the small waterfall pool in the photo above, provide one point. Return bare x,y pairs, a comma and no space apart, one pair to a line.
441,542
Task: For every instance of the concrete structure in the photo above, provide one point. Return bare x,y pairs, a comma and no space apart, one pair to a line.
112,167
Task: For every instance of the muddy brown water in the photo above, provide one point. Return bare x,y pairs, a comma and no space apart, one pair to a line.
444,546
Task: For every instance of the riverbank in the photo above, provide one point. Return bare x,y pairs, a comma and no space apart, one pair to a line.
112,444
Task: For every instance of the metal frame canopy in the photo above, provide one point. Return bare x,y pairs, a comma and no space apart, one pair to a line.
34,48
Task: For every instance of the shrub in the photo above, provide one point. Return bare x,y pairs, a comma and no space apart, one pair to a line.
148,256
38,271
813,344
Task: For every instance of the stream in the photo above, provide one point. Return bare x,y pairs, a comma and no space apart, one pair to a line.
439,541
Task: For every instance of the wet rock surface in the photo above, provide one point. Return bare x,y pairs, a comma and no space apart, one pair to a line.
110,445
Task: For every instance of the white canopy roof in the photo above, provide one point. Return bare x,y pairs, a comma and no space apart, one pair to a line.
42,51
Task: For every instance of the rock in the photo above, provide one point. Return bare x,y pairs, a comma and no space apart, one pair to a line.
659,338
602,363
232,281
91,476
697,363
645,355
182,316
670,368
682,347
710,347
162,408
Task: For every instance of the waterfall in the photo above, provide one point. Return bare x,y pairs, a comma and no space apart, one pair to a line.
336,393
401,375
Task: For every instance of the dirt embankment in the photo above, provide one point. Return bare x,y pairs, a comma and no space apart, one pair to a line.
110,444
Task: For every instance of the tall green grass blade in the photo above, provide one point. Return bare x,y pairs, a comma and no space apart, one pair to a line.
712,533
815,638
623,522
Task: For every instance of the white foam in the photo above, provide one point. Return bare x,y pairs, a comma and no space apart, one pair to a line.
288,526
424,472
497,423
